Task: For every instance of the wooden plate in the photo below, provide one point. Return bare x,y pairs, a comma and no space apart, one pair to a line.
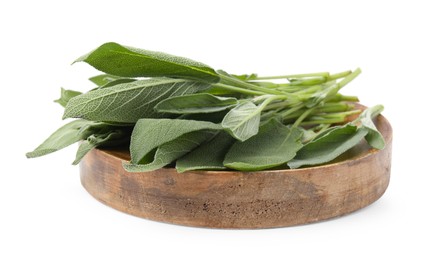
231,199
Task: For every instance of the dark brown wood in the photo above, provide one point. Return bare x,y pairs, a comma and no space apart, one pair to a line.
230,199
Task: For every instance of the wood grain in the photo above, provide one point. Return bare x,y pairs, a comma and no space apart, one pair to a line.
230,199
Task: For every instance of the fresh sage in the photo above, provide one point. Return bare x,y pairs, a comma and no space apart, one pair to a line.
174,111
129,102
115,59
329,146
61,138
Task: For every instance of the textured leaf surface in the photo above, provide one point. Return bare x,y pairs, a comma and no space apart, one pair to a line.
208,156
274,145
171,151
128,102
328,146
61,138
66,95
115,59
195,103
243,121
149,134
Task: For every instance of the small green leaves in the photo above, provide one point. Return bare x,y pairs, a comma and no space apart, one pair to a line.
243,121
274,145
329,146
63,137
66,95
195,104
149,134
118,60
128,102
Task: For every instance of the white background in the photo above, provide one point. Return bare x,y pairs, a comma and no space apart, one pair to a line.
46,214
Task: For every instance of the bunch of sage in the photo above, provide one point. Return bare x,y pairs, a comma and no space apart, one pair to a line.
172,110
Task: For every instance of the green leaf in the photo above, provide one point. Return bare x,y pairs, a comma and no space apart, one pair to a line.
243,121
374,137
208,156
274,145
328,146
115,59
104,79
195,104
128,102
149,134
66,95
113,137
63,137
172,150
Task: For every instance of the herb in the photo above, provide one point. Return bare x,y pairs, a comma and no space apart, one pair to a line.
129,102
118,60
173,110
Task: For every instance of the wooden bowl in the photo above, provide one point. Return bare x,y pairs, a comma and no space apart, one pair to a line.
232,199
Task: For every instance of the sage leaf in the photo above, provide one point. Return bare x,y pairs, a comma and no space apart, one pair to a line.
208,156
195,104
124,61
329,146
113,138
66,95
243,121
274,145
374,137
61,138
128,102
149,134
171,151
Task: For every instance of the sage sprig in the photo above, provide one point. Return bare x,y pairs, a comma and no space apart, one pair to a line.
174,111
